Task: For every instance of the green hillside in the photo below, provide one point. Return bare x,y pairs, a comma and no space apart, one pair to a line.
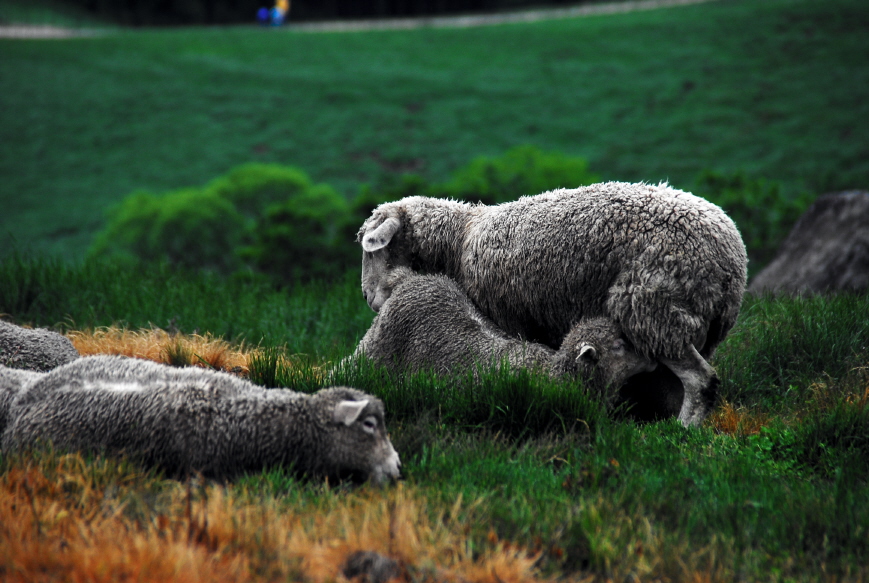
778,89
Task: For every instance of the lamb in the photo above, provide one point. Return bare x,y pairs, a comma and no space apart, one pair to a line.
429,323
667,267
34,349
197,420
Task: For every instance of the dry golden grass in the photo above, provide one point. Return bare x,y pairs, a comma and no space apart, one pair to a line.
160,346
65,519
732,420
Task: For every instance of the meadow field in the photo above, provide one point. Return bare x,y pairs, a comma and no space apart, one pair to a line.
778,89
509,476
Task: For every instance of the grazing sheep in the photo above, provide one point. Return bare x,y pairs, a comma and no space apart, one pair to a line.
37,349
197,420
430,323
595,350
667,267
12,381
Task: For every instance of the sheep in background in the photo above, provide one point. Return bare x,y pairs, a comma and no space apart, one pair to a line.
34,349
197,420
429,323
667,267
12,382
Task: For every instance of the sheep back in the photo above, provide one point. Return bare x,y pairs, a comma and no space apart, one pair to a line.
12,382
34,349
428,323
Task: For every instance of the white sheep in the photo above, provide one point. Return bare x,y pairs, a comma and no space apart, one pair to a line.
12,382
34,348
667,267
197,420
429,323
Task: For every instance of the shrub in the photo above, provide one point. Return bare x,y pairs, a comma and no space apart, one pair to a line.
189,228
304,237
520,171
270,217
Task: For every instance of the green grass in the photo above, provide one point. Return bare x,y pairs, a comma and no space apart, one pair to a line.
778,89
537,462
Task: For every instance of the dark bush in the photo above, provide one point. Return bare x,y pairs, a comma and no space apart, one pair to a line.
304,237
490,180
520,171
269,217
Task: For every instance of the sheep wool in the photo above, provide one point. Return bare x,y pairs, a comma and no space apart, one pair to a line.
429,323
34,349
197,420
12,382
667,267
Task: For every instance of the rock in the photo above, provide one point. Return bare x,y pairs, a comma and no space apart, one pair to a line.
827,250
37,349
370,567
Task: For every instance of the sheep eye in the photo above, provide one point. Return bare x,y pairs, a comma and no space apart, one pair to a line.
369,424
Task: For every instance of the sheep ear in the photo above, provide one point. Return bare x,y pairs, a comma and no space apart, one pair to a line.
381,236
587,352
347,412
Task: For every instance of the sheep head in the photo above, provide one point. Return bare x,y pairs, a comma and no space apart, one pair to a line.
595,349
360,444
381,254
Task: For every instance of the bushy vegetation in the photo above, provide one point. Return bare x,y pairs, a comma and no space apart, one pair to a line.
273,220
759,208
268,217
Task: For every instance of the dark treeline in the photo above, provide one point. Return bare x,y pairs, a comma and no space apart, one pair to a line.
169,12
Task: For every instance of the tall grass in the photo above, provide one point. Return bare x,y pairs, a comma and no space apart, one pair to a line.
320,318
781,345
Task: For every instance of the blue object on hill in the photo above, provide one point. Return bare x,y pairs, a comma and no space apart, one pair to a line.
262,15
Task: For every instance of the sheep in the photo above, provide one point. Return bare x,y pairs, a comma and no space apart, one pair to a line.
429,323
12,382
667,267
197,420
37,349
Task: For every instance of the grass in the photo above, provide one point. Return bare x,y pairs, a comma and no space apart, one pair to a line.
778,89
508,477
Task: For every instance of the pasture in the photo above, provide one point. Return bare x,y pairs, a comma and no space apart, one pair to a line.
509,477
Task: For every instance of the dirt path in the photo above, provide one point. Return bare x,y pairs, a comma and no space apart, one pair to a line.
489,19
24,31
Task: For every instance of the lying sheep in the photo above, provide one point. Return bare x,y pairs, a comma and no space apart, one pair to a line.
429,323
34,349
197,420
667,267
12,382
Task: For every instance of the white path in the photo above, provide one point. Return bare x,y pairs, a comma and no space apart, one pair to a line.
57,32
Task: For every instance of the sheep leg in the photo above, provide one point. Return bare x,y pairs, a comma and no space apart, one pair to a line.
700,384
